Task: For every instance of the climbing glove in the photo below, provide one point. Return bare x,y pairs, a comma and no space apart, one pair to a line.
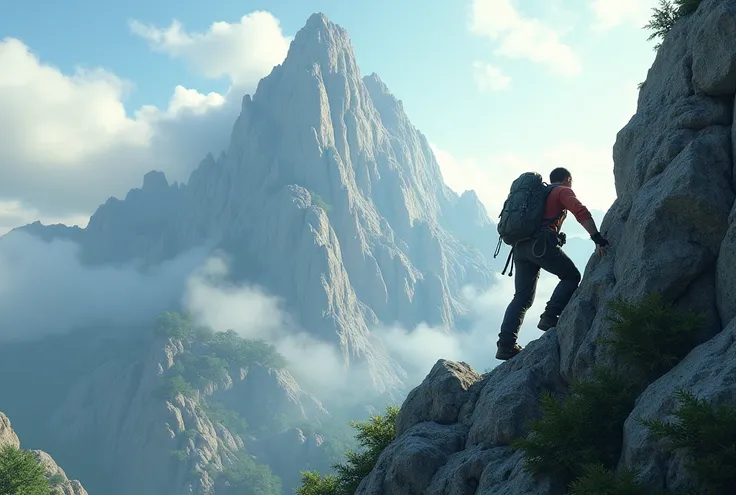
598,239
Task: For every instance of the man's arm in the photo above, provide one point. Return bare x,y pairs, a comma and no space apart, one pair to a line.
582,214
590,226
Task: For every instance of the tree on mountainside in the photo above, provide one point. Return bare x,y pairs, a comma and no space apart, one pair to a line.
374,436
21,474
666,16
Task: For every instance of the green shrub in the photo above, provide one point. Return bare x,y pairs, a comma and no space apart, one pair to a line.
173,325
314,484
598,480
708,436
584,426
318,201
652,336
666,16
57,479
180,455
226,417
246,476
201,369
173,386
373,436
242,352
20,473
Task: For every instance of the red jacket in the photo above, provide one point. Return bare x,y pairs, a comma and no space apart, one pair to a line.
561,200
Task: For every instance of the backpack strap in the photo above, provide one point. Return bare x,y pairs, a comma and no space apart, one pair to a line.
498,248
546,222
509,260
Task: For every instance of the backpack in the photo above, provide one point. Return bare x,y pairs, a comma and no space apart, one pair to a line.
522,215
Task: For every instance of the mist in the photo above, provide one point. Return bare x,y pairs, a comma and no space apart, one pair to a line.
45,290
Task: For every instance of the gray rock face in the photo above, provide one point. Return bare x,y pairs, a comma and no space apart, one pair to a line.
673,230
7,435
54,473
119,411
328,197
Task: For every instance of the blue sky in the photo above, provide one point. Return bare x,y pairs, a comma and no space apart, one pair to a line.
561,82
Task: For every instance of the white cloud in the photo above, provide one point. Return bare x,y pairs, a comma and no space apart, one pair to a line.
523,37
37,274
592,171
609,14
255,314
419,348
44,289
67,143
243,51
489,77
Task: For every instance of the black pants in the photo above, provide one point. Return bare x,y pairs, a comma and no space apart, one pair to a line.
529,257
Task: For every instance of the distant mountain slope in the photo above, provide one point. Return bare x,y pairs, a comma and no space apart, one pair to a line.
327,196
58,480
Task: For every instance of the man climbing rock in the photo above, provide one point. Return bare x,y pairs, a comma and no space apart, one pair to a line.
536,242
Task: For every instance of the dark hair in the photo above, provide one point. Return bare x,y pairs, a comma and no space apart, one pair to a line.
559,174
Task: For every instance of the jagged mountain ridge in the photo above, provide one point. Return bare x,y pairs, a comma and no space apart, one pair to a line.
397,245
673,231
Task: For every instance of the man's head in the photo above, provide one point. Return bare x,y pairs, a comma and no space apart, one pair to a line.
561,176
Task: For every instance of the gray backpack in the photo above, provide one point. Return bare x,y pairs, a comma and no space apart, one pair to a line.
522,215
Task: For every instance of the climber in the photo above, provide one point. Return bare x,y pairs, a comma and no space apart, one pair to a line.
540,250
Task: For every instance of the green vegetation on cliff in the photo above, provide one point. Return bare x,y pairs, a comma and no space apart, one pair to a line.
584,426
651,336
246,476
666,16
318,201
707,433
579,435
21,474
208,355
373,436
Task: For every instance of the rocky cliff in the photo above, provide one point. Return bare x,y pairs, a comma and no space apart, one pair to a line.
56,476
327,196
673,231
183,412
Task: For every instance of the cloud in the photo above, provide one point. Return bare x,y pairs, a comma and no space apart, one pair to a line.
244,51
45,290
67,142
521,37
592,170
489,77
419,348
255,314
609,14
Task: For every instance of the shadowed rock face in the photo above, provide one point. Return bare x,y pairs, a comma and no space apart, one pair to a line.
327,196
673,230
64,485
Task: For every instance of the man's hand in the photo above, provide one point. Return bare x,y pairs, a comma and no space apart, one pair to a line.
601,243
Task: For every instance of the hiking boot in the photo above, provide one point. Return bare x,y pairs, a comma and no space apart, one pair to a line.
506,352
546,322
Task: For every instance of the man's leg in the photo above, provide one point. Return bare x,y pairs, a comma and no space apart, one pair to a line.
525,282
556,262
